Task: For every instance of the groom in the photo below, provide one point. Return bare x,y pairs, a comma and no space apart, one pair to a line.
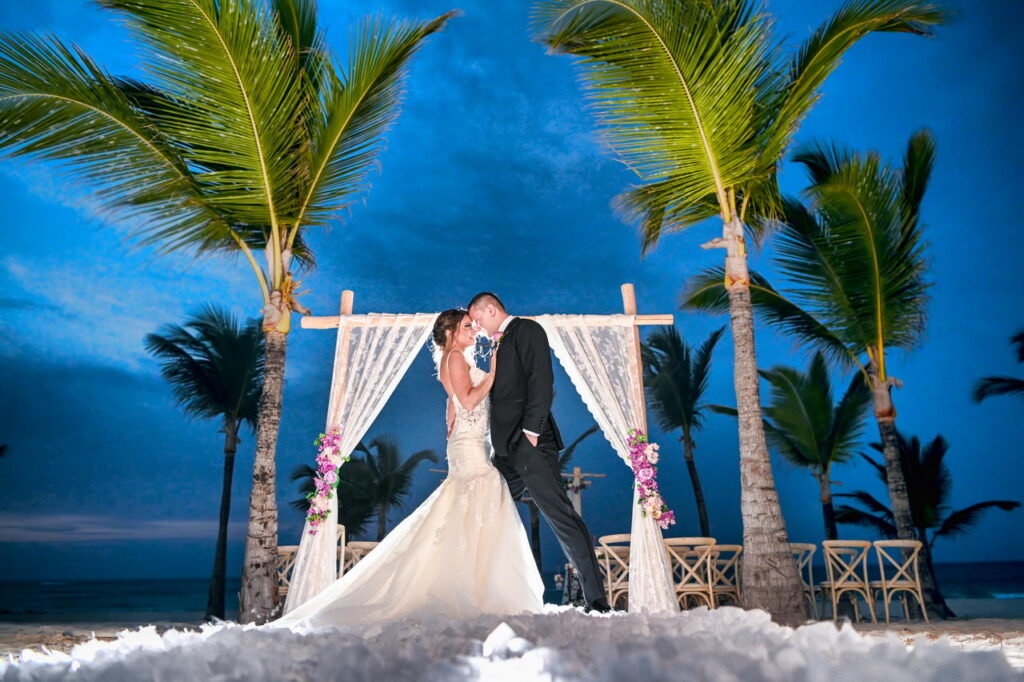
525,438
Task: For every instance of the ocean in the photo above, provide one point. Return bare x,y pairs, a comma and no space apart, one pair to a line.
184,599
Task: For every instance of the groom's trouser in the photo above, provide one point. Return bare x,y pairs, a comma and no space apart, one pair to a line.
536,469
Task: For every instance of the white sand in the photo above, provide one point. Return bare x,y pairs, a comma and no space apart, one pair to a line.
562,644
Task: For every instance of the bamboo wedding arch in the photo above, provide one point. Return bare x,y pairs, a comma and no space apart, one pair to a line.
601,355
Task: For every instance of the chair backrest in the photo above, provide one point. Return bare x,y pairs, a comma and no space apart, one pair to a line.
341,535
285,563
803,552
616,549
691,561
901,567
846,561
725,565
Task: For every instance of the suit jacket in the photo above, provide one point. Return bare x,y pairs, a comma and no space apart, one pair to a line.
523,389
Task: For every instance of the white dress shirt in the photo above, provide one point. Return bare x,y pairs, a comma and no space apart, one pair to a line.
501,328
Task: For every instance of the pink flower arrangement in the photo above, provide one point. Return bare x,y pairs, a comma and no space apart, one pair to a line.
643,457
328,460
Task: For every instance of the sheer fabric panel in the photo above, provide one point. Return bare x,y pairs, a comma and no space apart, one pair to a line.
599,355
369,361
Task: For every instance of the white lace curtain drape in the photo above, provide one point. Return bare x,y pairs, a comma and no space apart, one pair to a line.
599,354
369,361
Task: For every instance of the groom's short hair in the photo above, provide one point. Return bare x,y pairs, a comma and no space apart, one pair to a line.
485,298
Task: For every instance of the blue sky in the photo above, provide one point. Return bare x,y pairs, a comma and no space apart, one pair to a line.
491,179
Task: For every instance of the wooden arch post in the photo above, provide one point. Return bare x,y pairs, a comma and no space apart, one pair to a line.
629,308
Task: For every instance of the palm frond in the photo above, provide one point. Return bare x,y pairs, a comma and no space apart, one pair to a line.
706,291
56,104
1018,340
846,514
566,455
960,521
214,363
848,419
229,61
993,386
794,93
357,107
859,259
670,84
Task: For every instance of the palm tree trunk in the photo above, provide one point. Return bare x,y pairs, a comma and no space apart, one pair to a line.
535,533
770,577
885,415
827,510
259,588
933,599
698,490
215,600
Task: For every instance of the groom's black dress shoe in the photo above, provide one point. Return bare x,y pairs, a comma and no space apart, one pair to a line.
599,605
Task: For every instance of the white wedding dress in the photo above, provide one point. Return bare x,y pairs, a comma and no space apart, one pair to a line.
461,553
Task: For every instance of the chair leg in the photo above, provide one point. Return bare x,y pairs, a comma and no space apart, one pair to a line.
886,598
920,600
871,606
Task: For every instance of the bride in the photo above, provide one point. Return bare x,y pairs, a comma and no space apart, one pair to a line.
464,551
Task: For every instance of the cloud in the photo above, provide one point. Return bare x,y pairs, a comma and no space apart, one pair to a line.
60,528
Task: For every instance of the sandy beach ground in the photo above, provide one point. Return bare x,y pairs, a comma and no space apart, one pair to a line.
1004,633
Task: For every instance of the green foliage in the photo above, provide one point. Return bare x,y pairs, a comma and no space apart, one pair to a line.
676,379
805,424
246,130
929,486
698,98
356,503
213,363
854,259
993,386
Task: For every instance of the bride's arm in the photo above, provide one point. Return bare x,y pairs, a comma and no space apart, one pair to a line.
458,372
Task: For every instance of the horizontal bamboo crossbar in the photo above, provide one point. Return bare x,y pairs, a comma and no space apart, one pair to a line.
332,321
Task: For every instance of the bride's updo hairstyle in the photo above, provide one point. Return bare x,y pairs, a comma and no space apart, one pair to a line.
445,324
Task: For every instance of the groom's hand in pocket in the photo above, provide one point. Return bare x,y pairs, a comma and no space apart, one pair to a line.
530,437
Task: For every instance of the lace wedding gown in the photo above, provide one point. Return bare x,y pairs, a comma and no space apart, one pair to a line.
461,553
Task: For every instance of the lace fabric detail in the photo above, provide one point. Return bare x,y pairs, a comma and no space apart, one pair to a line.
473,423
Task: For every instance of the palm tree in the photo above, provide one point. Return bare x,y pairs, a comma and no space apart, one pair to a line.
856,264
676,377
247,133
990,386
929,485
564,459
390,477
808,428
214,365
355,493
698,99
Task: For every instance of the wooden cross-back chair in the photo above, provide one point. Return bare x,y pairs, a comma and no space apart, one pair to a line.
899,574
846,563
613,558
691,569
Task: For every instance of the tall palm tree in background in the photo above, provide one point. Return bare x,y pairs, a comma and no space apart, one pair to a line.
390,476
697,99
806,426
855,263
676,379
214,365
929,485
246,133
991,386
355,493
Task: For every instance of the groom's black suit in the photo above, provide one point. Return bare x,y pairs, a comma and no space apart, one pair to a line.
521,399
